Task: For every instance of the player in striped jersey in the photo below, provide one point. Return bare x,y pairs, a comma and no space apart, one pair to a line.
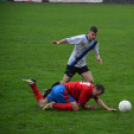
84,44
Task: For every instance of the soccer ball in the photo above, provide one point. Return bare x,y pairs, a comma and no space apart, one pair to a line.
125,106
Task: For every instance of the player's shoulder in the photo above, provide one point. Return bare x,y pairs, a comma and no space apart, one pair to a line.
85,83
79,36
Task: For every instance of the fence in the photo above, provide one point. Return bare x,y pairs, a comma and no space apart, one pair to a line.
81,1
119,1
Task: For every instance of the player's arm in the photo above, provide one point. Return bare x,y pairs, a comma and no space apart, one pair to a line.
103,105
59,42
97,55
89,107
86,107
98,58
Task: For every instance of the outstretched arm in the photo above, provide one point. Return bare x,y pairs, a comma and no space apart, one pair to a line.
103,105
59,42
87,107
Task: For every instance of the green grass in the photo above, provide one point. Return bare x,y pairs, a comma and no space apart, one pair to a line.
26,32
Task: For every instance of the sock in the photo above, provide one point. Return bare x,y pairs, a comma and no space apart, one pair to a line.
55,84
63,106
36,92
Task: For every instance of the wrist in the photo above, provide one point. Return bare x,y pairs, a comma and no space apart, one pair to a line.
58,42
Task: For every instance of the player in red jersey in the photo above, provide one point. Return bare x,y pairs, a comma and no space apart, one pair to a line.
70,96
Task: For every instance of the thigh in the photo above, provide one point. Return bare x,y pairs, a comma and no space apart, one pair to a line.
61,94
82,70
88,76
51,97
70,71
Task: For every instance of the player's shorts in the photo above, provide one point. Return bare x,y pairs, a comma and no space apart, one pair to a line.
71,70
60,94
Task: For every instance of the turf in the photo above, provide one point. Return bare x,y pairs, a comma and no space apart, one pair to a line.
26,32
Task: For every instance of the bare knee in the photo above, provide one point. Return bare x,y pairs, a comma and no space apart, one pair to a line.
42,102
75,108
40,105
88,76
91,81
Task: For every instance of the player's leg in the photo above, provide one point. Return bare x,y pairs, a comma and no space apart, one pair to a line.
65,79
69,73
40,100
72,106
43,102
86,74
64,101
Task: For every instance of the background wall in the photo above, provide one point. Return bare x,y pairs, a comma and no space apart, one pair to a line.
80,1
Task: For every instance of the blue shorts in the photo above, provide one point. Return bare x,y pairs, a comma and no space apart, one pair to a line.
60,94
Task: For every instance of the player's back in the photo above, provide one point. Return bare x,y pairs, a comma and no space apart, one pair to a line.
78,88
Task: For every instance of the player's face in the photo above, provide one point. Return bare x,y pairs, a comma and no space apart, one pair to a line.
91,35
96,92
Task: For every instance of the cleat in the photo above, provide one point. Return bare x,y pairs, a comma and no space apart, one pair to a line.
48,106
28,81
46,92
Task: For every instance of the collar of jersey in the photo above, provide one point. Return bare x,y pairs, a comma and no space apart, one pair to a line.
87,38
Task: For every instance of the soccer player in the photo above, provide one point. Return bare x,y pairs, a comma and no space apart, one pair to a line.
84,44
70,96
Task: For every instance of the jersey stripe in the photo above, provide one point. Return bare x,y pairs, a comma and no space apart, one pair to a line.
84,52
66,96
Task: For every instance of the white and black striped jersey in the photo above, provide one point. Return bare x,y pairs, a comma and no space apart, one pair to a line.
81,50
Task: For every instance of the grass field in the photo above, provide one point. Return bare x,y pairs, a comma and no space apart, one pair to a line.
26,32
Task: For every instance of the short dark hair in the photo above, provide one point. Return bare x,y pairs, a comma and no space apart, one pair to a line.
100,87
93,29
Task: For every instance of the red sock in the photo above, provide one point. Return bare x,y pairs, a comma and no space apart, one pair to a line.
63,106
36,92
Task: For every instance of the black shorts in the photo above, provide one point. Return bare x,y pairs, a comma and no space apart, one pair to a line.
71,70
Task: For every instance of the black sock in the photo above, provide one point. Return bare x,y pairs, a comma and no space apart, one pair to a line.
55,84
46,92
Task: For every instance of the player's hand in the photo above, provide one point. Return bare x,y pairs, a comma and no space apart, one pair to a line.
91,107
55,42
111,109
100,61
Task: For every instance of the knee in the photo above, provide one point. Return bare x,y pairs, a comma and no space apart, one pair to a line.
75,108
91,81
42,103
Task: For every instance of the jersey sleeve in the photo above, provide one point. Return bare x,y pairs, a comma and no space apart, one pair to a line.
96,49
74,40
96,97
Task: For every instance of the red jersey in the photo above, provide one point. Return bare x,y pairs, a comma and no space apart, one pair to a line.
80,91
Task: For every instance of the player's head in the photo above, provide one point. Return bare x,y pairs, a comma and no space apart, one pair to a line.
92,33
98,90
93,29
